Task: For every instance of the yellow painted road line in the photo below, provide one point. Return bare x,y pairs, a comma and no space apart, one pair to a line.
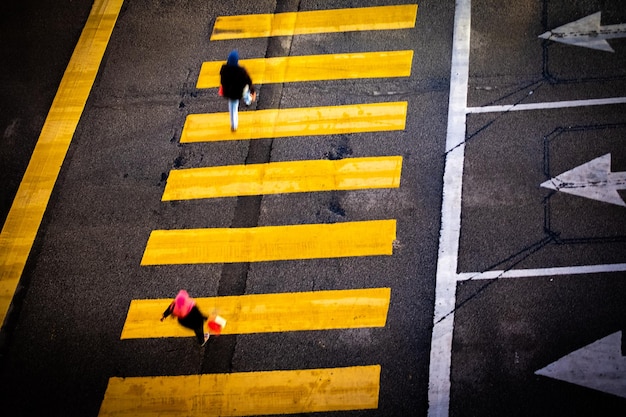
318,21
315,67
263,313
270,243
31,200
284,177
244,393
276,123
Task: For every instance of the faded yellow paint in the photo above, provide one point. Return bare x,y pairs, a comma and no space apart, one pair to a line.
315,67
31,200
276,123
270,243
284,177
262,313
244,393
316,21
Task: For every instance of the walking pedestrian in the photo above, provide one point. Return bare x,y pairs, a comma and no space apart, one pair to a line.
189,315
235,84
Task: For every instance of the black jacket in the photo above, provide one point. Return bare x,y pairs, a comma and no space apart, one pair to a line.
234,79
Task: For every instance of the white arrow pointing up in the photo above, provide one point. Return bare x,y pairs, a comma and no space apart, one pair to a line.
587,32
600,366
592,180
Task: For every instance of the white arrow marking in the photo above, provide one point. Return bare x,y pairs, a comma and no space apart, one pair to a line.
600,366
593,179
587,32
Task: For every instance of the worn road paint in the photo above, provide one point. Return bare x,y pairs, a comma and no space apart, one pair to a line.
33,194
263,313
244,393
587,32
306,121
270,243
284,177
593,180
315,21
315,67
447,258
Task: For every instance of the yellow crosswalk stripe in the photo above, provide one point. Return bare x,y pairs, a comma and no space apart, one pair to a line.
277,123
270,243
284,177
315,67
263,313
33,194
316,21
244,393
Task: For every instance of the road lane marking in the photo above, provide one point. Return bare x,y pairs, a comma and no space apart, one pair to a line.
284,177
33,194
594,180
270,243
547,105
316,21
543,272
276,123
263,313
600,365
587,32
447,258
244,393
315,68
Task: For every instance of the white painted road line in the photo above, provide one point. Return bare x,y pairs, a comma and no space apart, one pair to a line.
593,179
447,260
547,105
599,365
587,32
445,288
542,272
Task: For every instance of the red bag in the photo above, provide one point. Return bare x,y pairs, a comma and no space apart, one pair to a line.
216,324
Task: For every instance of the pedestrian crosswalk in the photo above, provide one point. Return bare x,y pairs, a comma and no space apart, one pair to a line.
284,177
244,393
264,313
307,121
278,391
314,21
270,243
291,69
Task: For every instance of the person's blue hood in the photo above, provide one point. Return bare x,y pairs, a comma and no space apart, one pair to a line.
233,58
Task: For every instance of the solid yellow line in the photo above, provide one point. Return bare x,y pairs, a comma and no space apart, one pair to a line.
315,67
317,21
284,177
263,313
29,205
270,243
276,123
244,393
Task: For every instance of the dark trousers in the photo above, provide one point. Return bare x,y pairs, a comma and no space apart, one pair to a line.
194,321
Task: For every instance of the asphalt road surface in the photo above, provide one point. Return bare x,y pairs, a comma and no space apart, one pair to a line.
481,275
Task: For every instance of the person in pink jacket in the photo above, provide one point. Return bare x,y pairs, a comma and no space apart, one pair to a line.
189,315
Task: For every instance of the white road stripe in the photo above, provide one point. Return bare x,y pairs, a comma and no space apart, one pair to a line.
445,289
548,105
447,261
542,272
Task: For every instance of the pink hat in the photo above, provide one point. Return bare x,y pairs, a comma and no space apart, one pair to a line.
183,304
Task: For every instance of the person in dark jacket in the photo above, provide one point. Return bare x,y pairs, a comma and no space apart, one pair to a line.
235,84
184,308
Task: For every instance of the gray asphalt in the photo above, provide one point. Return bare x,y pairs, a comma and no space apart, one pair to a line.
61,341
